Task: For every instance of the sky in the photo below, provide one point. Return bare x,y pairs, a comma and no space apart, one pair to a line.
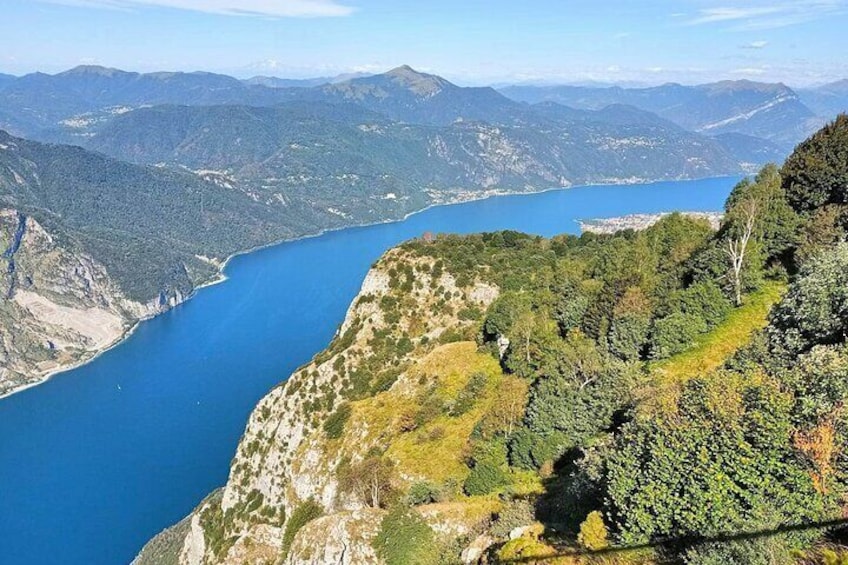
799,42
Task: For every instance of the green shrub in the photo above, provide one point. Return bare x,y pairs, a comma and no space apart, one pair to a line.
593,532
628,335
302,515
484,478
334,425
423,493
675,333
469,394
516,513
405,539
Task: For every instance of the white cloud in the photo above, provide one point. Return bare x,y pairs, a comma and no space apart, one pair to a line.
272,8
749,71
726,14
752,15
754,45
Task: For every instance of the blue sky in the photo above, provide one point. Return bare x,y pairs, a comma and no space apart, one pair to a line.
469,41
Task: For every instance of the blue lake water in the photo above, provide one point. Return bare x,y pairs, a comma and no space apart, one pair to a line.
99,459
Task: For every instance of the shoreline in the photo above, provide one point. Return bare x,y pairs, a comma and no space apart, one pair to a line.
222,275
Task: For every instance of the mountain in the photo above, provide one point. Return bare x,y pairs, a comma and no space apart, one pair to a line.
827,100
751,150
309,146
406,95
229,178
91,242
505,398
146,225
40,105
6,79
161,193
68,107
768,111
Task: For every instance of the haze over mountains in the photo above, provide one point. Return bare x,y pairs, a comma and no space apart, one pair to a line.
176,171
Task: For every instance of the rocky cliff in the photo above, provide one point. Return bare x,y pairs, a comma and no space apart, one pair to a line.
387,410
58,306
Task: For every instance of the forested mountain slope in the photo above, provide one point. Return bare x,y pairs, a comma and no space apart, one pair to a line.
510,398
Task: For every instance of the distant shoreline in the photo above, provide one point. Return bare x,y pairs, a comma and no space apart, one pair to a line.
460,197
641,221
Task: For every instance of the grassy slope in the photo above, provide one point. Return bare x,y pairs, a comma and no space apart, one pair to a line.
713,348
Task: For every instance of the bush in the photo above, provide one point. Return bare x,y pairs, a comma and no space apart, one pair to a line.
515,513
815,310
302,515
817,171
405,539
423,493
469,394
484,478
705,300
593,532
675,333
335,423
765,551
628,335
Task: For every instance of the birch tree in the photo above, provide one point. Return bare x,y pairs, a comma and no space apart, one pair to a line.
737,246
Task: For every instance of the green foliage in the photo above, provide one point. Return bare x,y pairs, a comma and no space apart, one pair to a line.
485,477
335,423
405,539
469,394
767,551
816,173
302,515
515,513
593,533
686,475
704,300
815,310
675,333
423,492
628,335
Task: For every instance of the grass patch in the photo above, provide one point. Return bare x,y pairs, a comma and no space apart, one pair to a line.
713,348
435,450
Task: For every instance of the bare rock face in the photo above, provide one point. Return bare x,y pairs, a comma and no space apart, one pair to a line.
343,538
58,307
287,459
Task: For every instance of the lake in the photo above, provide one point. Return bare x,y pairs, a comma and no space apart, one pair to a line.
99,459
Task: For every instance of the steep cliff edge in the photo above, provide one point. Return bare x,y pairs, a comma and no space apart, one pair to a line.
375,415
58,306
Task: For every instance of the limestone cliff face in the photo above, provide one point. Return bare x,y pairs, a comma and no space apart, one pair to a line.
58,306
407,333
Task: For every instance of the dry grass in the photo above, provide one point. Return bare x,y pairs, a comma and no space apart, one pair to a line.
434,451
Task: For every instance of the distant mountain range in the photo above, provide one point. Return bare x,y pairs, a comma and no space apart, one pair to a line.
62,107
827,100
154,178
773,112
282,162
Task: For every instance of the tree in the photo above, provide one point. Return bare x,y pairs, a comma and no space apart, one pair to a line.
816,173
737,245
370,480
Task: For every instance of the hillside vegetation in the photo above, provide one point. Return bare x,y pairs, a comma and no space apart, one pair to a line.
669,395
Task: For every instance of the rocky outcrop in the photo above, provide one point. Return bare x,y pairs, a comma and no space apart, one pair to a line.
58,306
406,333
